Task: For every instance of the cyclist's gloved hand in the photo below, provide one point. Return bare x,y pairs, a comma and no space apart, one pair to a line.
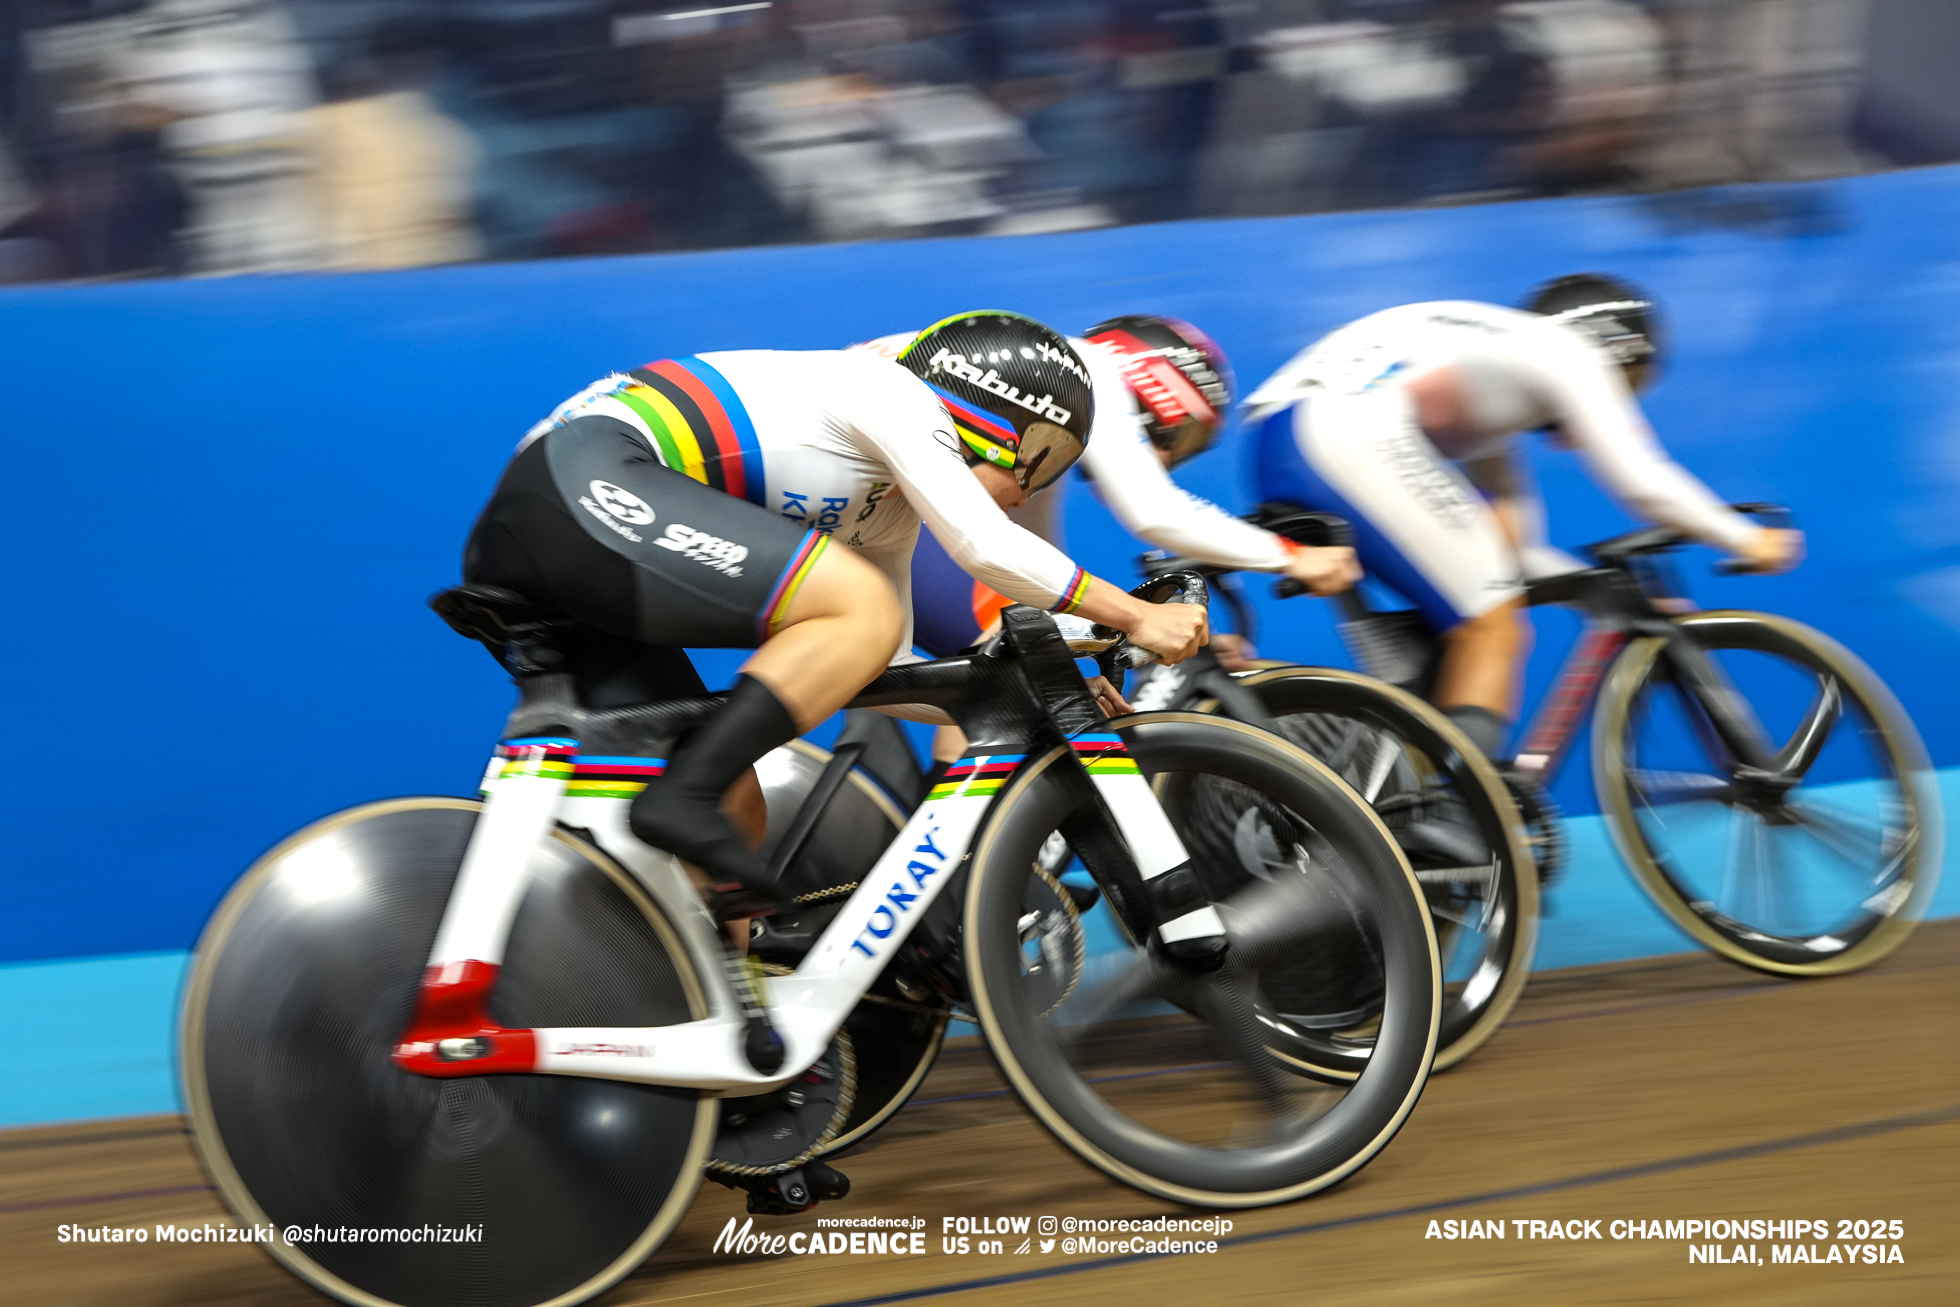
1324,571
1234,652
1770,550
1171,631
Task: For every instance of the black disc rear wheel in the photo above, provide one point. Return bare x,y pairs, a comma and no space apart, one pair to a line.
301,985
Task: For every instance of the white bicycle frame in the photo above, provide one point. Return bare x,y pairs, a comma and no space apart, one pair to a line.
530,786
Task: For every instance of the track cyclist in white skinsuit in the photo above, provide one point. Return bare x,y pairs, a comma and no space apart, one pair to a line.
694,502
1404,423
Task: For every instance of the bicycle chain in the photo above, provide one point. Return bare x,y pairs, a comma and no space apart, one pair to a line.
824,895
846,1099
1076,932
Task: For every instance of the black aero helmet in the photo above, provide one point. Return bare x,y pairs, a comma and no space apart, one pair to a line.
1182,380
1018,395
1619,318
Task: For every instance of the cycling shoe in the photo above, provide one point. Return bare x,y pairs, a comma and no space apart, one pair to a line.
1443,830
680,810
695,830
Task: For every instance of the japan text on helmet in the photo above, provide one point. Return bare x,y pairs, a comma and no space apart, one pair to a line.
1613,315
1018,395
1181,380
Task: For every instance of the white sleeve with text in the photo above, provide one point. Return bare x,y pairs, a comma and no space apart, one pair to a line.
1620,451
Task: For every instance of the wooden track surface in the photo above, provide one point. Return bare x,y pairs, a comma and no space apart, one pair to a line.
1671,1088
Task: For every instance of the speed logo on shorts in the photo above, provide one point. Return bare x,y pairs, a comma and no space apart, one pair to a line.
724,556
622,504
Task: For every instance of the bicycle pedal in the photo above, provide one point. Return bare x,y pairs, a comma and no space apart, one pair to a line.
1199,953
796,1190
734,901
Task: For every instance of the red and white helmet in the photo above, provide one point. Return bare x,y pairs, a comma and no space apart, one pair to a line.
1181,379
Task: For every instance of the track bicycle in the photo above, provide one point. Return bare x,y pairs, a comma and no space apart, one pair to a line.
1765,788
433,1013
1407,760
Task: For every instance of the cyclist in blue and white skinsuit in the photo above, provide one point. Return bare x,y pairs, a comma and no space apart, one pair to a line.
1403,422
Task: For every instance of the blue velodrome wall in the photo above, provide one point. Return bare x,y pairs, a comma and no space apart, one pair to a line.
225,501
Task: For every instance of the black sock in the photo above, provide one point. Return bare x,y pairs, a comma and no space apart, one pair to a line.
1485,728
680,811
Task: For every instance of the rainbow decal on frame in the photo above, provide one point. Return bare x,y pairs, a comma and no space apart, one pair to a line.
1104,755
587,776
598,777
549,757
976,778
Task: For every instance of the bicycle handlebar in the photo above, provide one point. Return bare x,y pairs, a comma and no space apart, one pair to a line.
1179,587
1661,539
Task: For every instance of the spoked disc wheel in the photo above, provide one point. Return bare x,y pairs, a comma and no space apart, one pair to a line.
1819,866
1161,1076
1456,820
302,983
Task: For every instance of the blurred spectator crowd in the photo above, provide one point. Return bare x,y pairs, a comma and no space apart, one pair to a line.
147,137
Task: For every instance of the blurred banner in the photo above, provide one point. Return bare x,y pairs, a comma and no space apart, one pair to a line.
158,137
230,497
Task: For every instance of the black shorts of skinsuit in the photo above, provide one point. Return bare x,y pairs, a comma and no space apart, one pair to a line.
588,521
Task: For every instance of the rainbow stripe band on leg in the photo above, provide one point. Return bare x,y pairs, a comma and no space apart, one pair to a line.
1104,755
794,574
976,778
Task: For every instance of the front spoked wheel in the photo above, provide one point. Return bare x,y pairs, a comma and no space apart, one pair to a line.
1455,819
303,982
1161,1076
1818,865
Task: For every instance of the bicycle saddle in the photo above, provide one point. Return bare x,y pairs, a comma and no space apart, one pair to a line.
1302,526
488,614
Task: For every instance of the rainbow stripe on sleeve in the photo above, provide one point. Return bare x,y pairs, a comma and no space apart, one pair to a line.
976,778
1077,591
698,425
1104,755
